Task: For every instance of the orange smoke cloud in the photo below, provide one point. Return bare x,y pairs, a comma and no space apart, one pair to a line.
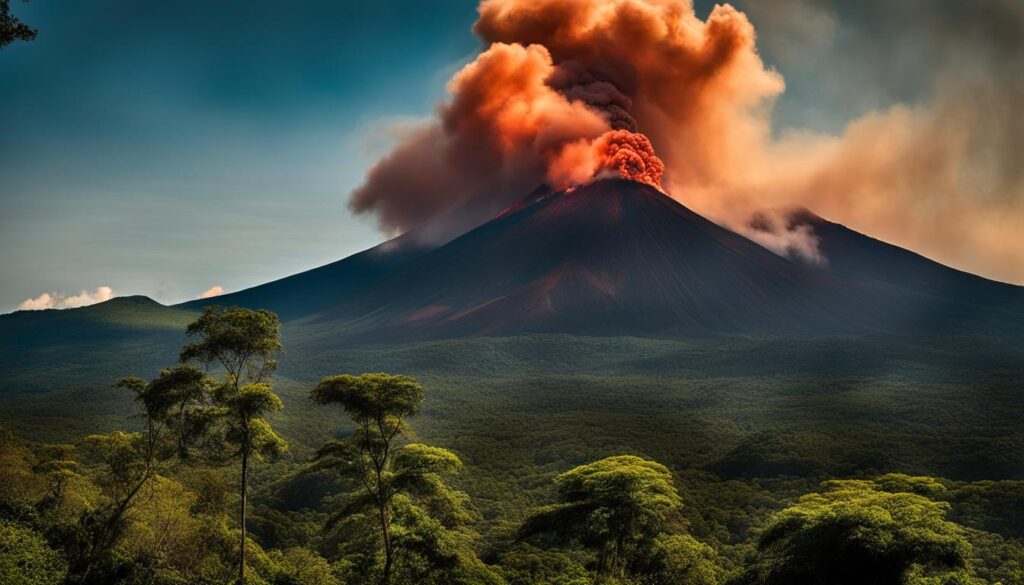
626,154
557,76
540,104
694,86
490,143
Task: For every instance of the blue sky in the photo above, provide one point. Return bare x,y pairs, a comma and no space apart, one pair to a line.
162,148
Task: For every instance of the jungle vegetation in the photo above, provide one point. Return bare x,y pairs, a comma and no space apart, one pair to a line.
199,486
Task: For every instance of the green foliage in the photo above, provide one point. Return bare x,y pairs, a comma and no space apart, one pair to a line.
27,559
403,487
177,531
246,431
896,483
123,460
614,506
244,342
377,398
300,566
418,470
528,565
853,533
430,554
679,559
748,425
12,29
176,411
180,401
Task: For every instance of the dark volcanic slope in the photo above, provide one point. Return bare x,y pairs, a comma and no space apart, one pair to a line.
617,257
610,258
852,254
307,292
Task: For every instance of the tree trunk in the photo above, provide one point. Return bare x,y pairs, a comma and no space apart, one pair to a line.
108,531
386,533
602,560
241,519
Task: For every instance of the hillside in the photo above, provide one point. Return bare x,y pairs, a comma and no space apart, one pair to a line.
617,257
620,258
615,271
307,292
852,254
602,321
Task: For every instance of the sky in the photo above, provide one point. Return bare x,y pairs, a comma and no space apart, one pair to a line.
168,149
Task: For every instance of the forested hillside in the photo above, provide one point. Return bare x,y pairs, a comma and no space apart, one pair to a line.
640,461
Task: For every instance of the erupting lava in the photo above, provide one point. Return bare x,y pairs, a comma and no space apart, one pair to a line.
631,154
621,153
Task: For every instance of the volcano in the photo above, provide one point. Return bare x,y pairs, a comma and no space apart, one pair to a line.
616,257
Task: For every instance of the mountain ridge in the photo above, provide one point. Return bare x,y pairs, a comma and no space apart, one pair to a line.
616,257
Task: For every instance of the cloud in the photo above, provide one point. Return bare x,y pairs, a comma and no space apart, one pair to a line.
53,300
213,291
556,76
621,153
930,162
774,230
487,144
43,301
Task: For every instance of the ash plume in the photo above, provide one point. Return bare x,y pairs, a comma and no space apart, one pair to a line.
556,77
940,175
616,153
486,146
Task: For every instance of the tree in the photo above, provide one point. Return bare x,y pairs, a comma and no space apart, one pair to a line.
614,506
245,343
12,29
178,409
379,404
679,559
856,533
175,408
424,515
26,558
524,564
301,566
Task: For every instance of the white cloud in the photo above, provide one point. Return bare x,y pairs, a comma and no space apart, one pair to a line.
213,291
43,301
773,230
54,300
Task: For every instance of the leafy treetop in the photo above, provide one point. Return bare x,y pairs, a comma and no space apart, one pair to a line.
244,342
854,533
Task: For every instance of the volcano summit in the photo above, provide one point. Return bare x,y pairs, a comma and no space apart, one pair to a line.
617,257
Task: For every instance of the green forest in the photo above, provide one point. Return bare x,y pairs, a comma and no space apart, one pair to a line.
200,487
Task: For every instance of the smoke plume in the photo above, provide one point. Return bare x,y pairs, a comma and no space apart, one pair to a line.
616,153
489,143
570,90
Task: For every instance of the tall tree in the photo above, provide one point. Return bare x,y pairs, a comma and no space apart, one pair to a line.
245,343
378,404
860,532
614,506
12,29
175,408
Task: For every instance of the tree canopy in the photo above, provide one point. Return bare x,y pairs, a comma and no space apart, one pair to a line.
403,488
12,29
27,559
245,343
859,532
612,506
